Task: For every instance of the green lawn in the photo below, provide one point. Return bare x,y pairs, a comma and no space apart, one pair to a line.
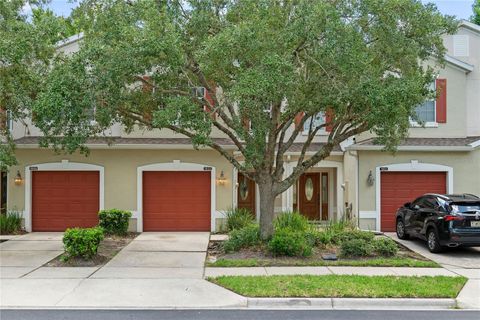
375,262
343,286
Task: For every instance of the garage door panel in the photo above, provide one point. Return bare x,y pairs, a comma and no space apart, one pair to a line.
398,188
64,199
176,201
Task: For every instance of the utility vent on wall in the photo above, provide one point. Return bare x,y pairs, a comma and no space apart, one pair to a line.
460,45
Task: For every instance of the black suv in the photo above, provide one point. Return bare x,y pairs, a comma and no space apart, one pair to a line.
450,220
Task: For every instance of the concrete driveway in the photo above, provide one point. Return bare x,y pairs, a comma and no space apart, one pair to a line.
159,255
26,253
158,270
465,261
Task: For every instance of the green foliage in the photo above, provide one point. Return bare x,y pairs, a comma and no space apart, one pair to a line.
385,247
27,50
288,242
291,220
475,18
238,218
114,221
11,222
247,236
348,235
331,233
82,242
356,248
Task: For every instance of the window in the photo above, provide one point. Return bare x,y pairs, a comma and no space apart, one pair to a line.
318,120
426,111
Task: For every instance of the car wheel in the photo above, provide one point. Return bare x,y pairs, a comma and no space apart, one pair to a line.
432,241
401,233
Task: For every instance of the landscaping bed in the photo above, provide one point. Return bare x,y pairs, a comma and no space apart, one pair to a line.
298,242
260,257
343,286
107,249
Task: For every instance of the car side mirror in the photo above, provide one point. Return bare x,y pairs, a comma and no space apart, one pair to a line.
407,204
416,207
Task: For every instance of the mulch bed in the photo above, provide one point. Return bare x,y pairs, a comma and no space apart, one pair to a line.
108,248
215,252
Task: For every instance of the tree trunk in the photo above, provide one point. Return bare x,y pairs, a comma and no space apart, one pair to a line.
267,205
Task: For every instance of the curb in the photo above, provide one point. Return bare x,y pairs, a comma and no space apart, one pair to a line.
350,303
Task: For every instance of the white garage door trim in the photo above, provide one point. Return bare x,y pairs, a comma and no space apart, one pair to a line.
58,166
407,167
176,165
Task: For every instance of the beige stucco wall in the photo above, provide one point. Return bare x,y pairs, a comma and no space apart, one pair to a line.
466,170
121,172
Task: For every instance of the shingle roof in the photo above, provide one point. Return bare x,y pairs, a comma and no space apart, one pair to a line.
225,142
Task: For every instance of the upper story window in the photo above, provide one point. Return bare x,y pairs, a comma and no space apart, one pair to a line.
318,120
426,112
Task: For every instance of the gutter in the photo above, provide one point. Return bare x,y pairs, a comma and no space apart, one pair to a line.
469,147
135,146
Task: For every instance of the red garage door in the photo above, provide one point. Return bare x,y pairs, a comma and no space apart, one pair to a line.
400,187
176,200
64,199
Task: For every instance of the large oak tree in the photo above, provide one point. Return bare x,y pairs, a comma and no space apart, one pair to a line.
264,64
28,36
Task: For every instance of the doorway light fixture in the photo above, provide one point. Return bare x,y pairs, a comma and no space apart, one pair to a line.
18,178
221,179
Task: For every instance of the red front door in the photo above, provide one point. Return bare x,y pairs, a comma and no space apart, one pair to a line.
309,195
398,188
246,193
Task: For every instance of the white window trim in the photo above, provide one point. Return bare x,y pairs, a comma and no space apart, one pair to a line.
413,166
176,165
429,124
64,165
415,124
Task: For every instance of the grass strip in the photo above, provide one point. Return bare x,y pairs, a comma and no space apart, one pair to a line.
343,286
375,262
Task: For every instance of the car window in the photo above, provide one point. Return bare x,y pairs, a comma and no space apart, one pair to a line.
418,202
465,207
430,202
442,205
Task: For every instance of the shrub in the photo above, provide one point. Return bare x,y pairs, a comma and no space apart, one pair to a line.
82,242
356,248
238,218
247,236
288,242
291,220
11,222
385,247
354,235
331,234
114,221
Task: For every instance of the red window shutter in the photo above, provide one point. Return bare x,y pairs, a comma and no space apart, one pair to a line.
209,98
328,119
441,103
298,119
146,87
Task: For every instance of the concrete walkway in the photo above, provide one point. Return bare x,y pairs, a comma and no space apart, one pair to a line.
367,271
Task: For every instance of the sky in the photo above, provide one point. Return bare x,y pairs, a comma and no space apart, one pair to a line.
460,8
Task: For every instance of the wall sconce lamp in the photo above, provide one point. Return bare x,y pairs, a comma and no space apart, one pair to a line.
221,179
370,179
18,178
